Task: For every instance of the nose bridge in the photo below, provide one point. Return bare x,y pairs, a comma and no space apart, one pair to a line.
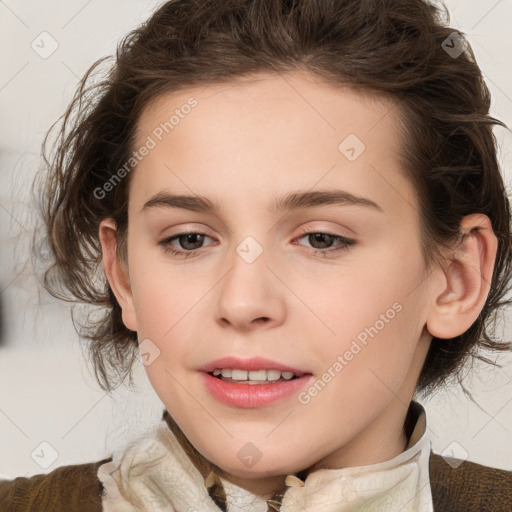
249,291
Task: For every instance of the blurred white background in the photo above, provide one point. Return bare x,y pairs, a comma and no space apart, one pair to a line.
47,393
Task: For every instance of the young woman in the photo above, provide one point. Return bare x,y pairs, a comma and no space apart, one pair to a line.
294,213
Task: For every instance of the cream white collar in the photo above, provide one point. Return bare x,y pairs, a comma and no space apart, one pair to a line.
155,474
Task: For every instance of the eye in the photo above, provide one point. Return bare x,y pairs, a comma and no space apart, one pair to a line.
323,243
190,242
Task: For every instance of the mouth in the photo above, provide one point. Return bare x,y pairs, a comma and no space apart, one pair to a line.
253,393
251,383
253,377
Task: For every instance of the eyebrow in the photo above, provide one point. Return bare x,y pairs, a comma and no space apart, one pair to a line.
289,202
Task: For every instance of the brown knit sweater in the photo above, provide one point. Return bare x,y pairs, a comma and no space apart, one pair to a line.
470,487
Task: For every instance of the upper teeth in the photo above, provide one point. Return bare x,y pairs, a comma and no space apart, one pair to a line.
253,375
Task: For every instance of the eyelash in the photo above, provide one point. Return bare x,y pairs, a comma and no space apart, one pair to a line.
344,245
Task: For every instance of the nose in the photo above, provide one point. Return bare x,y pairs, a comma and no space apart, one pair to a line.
250,295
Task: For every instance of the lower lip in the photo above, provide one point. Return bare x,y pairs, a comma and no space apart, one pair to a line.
252,396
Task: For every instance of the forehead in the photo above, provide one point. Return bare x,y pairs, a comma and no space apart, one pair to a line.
270,133
315,104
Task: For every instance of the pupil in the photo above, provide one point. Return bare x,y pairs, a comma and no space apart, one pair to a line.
320,237
189,239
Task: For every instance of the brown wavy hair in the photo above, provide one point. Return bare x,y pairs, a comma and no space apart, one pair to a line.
395,48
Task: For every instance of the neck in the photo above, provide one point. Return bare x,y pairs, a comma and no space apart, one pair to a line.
266,488
383,440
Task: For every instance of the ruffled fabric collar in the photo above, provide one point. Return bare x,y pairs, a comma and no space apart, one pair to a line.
155,473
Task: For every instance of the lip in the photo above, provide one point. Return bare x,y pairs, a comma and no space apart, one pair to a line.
252,396
251,364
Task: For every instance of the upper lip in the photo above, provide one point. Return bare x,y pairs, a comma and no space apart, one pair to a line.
251,364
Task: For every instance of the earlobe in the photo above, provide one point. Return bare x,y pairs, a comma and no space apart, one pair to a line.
117,273
467,279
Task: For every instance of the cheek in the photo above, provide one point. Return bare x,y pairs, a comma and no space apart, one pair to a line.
166,305
367,361
370,315
164,293
170,307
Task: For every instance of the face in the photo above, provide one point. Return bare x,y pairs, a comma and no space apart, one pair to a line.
300,246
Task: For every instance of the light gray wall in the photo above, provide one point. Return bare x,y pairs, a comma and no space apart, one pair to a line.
47,394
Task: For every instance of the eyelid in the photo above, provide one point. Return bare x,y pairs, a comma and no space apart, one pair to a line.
327,231
177,231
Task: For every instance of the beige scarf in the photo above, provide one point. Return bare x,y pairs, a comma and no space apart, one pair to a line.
155,474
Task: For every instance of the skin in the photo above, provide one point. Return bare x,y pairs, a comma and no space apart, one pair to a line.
245,144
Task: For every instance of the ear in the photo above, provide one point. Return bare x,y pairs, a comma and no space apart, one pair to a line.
117,272
466,281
